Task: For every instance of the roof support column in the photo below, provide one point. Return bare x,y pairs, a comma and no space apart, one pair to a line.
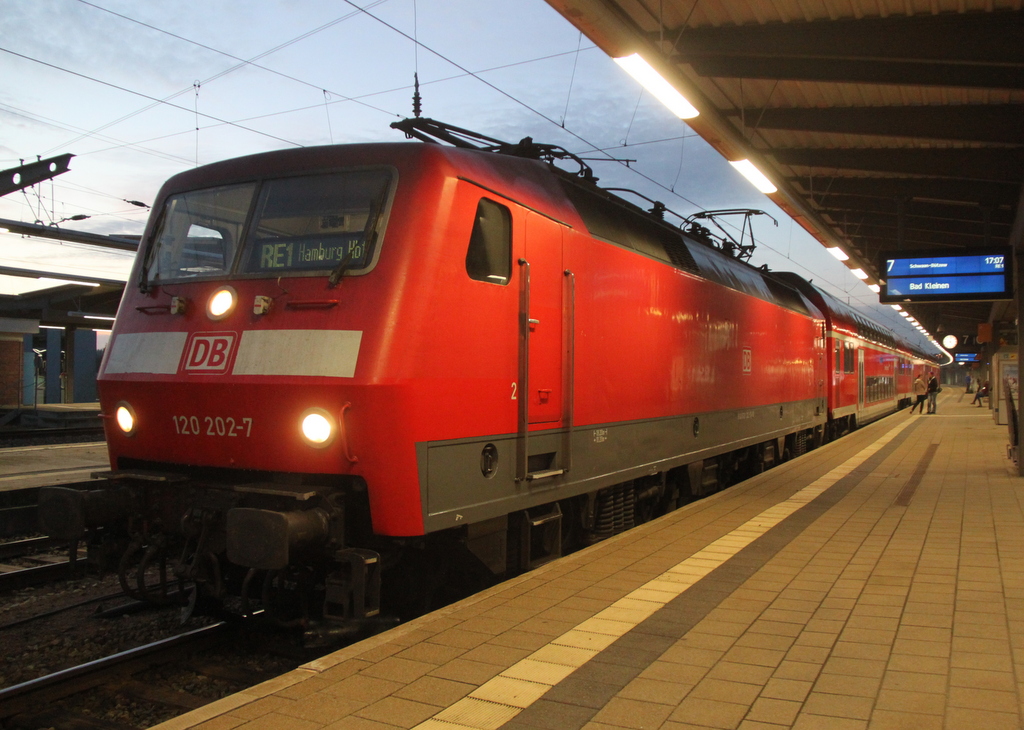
53,392
1017,244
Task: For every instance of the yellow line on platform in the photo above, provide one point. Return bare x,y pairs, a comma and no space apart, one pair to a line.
502,698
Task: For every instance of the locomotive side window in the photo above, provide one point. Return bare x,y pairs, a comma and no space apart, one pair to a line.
489,257
198,232
320,222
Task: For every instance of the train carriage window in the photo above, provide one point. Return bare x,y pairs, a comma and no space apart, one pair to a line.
489,257
198,232
317,223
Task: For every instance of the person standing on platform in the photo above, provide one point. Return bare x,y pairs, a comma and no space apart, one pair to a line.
921,391
933,391
967,382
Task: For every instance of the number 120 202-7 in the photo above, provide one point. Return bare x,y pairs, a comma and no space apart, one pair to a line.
212,426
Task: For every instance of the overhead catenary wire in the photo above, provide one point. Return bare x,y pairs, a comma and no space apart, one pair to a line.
125,89
572,78
466,72
241,63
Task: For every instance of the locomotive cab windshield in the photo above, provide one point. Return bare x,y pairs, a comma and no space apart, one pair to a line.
294,225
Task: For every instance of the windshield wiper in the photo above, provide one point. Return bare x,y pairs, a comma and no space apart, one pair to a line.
339,270
369,237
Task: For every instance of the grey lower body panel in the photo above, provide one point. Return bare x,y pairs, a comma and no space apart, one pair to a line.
469,480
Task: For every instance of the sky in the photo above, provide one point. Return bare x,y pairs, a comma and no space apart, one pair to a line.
141,91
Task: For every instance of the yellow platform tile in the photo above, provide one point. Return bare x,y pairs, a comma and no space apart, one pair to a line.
541,672
606,626
473,713
511,691
585,640
570,656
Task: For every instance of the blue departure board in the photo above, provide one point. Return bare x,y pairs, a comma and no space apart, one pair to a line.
938,276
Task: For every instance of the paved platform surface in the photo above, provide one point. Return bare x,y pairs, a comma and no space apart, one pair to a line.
23,467
877,582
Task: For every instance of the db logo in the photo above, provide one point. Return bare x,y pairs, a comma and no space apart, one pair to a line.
209,353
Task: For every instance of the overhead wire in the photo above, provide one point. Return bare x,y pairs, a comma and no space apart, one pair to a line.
242,62
309,107
125,89
357,10
590,145
25,114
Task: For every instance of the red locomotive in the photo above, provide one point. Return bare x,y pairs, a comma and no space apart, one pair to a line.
332,362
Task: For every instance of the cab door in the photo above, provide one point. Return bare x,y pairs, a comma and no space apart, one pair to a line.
543,269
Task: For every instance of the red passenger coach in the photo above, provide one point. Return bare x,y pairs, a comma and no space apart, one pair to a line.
438,360
870,370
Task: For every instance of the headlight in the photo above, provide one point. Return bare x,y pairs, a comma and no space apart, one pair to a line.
221,303
318,427
125,417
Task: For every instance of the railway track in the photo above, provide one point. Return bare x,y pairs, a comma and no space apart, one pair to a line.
27,559
38,703
41,568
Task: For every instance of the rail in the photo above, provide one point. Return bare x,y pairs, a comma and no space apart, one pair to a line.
29,697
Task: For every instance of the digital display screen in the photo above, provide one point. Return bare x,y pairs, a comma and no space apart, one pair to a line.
947,265
313,253
966,357
938,276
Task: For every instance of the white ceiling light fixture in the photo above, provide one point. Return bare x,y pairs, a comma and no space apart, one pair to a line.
875,288
859,273
897,307
655,83
838,253
755,176
52,281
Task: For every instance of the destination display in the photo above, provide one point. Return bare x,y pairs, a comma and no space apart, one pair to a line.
947,265
966,357
937,276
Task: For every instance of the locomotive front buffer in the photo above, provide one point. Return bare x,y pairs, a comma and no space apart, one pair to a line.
281,545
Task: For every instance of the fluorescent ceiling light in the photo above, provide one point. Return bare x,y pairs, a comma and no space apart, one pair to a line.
655,83
747,169
91,315
859,273
905,314
875,288
897,307
838,253
59,282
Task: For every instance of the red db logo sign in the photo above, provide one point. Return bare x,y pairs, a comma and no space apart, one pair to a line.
209,353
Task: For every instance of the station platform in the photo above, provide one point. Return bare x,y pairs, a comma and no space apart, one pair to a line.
876,582
25,467
51,415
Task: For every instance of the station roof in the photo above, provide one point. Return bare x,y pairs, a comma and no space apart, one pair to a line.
65,304
885,124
